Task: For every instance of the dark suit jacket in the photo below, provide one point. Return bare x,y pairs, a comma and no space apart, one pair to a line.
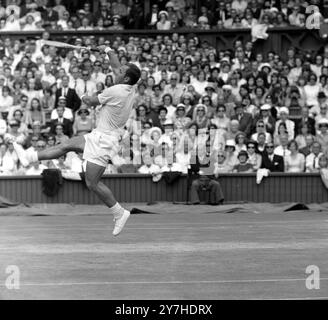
245,123
306,151
277,165
310,123
73,101
67,124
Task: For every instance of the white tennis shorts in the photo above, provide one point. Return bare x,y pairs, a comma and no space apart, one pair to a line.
100,148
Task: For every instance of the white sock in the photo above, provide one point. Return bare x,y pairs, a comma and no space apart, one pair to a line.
117,211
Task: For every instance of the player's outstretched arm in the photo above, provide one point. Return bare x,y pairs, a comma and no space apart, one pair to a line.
113,58
90,101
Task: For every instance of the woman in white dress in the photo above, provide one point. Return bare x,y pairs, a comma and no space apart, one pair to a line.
295,161
163,23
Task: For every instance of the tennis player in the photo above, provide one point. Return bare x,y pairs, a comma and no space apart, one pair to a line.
102,143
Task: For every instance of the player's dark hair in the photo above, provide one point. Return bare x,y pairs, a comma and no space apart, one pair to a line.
133,73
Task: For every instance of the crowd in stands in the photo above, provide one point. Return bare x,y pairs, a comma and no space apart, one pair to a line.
29,15
226,111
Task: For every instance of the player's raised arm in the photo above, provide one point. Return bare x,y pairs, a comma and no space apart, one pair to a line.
113,59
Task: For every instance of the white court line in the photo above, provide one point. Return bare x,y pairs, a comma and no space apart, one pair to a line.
109,283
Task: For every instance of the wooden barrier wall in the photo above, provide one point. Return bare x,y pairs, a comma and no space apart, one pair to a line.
305,188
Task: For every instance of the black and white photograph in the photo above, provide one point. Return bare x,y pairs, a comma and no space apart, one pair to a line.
163,155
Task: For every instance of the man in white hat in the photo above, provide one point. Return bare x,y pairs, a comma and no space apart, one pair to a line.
290,124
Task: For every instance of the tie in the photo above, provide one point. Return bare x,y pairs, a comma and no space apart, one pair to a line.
65,93
314,161
75,84
85,87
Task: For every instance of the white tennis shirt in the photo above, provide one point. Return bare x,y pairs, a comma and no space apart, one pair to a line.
117,103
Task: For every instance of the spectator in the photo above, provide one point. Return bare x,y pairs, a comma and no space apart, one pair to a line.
163,22
35,114
254,158
312,160
271,161
60,136
295,161
61,119
243,166
83,124
322,135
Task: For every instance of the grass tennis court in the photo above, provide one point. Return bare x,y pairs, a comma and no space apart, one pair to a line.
192,254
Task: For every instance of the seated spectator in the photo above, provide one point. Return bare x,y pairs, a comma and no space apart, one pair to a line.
312,160
14,134
231,157
261,129
221,120
254,158
295,161
66,123
289,124
180,120
83,124
221,166
322,135
60,136
6,101
245,119
35,114
233,130
267,118
301,138
62,112
243,166
200,116
305,120
240,142
271,161
36,169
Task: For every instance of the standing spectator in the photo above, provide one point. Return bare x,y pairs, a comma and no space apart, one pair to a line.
72,99
163,22
152,17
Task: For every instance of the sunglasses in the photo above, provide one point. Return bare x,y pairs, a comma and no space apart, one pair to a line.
270,147
260,126
34,140
85,75
83,112
251,147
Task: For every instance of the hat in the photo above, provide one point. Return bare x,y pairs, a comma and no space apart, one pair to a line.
181,106
116,16
164,12
240,134
14,123
83,108
203,19
266,107
36,123
243,153
230,143
323,121
155,129
81,11
266,65
62,98
187,95
227,87
168,122
283,110
210,85
169,5
321,95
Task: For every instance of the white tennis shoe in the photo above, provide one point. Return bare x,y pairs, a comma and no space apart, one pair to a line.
120,223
